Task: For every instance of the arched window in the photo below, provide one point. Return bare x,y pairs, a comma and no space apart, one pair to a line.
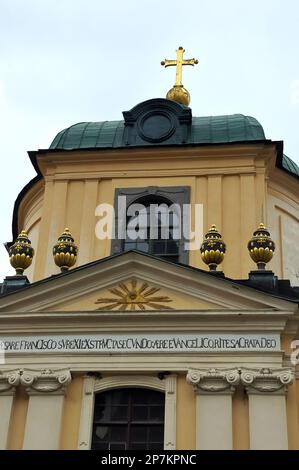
172,197
128,418
153,227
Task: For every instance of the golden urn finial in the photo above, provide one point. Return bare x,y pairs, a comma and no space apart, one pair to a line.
65,251
213,248
21,253
261,247
178,93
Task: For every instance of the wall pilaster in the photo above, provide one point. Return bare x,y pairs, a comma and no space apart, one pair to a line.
266,389
214,389
46,390
9,380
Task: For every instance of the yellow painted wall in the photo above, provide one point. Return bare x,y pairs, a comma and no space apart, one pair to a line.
284,225
237,191
186,415
240,420
17,420
70,418
71,414
232,183
178,301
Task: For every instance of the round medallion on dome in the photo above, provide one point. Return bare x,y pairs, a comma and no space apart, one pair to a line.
156,126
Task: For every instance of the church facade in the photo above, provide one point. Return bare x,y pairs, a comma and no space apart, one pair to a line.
113,342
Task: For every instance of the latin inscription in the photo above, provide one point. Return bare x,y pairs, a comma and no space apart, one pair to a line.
105,343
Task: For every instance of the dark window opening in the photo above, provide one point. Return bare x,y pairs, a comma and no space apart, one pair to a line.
157,228
173,247
128,419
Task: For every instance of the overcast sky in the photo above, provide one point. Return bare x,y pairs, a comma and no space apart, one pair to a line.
66,61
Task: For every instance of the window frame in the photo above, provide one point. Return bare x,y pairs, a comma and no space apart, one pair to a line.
174,194
93,385
129,422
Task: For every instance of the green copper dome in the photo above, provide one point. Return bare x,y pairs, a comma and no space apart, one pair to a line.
204,130
290,166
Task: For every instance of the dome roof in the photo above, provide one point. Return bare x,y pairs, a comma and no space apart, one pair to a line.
290,166
204,130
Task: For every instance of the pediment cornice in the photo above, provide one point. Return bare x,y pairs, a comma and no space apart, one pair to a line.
52,293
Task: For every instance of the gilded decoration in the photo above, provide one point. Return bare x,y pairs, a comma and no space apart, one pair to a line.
213,248
133,295
21,253
65,251
261,247
178,92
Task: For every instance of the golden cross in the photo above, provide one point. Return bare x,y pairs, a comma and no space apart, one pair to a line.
179,62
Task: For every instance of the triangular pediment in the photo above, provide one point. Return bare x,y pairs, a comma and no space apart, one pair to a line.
136,282
135,293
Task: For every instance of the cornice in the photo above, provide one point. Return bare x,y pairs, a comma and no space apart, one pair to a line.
144,363
101,274
229,149
254,321
240,170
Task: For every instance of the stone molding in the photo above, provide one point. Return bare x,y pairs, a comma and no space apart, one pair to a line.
265,380
179,195
45,380
9,380
125,381
214,380
93,385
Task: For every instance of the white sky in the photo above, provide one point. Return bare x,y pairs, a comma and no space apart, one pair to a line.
66,61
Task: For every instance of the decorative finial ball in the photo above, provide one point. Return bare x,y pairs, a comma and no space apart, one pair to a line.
261,247
21,253
65,251
213,248
179,94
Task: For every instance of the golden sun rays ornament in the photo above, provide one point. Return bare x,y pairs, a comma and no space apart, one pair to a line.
131,296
